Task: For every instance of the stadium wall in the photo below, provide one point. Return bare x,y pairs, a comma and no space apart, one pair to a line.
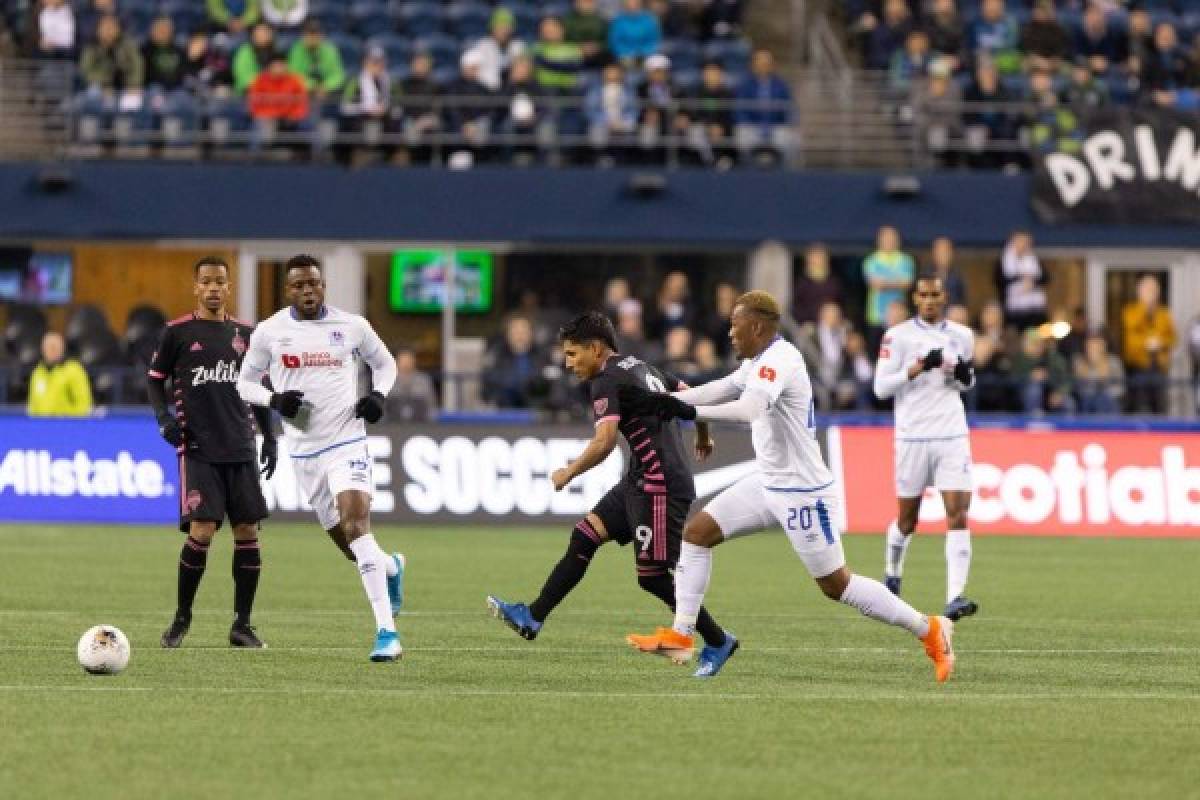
695,209
1038,481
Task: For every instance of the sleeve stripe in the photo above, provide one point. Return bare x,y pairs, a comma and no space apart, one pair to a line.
609,418
156,374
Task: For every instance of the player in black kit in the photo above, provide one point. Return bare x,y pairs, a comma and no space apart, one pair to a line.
201,355
650,504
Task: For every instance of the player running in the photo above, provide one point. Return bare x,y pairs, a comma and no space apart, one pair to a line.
792,486
200,353
650,503
925,363
312,353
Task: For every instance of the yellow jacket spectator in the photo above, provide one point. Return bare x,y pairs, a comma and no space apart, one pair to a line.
1148,332
59,387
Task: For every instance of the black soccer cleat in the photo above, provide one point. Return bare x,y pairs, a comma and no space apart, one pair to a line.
173,636
960,607
241,635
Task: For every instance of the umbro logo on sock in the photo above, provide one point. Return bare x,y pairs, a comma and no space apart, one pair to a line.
196,347
363,569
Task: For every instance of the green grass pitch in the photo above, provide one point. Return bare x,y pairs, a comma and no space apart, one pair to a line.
1079,678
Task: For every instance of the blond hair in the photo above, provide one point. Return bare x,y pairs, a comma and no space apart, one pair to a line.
761,303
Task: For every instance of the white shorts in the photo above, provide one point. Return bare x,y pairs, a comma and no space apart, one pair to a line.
323,476
808,518
943,463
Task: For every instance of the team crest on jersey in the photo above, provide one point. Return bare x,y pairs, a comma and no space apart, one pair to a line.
336,339
239,344
600,406
194,499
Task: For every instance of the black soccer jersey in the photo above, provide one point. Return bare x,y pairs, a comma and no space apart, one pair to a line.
202,358
657,458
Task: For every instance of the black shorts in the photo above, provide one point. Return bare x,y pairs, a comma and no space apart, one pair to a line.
212,492
653,522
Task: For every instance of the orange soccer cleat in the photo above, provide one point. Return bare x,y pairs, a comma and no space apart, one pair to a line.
666,642
938,647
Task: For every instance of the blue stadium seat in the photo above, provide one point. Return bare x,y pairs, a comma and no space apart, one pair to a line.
350,47
332,15
733,54
684,54
445,76
442,48
399,49
371,18
420,18
285,39
468,20
686,79
187,16
555,8
528,18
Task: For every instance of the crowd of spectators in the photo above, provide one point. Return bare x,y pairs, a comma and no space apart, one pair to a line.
417,80
1027,69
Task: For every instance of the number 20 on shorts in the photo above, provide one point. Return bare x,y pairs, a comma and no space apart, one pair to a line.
802,519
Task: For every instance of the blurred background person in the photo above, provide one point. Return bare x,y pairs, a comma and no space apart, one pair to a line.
412,398
1147,338
1099,377
59,386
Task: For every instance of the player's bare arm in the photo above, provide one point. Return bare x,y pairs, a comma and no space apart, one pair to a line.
602,443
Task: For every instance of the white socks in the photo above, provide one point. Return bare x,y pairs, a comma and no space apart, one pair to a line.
390,563
958,562
894,551
691,583
372,567
873,600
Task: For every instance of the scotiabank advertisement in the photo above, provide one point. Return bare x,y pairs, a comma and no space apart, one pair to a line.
1030,482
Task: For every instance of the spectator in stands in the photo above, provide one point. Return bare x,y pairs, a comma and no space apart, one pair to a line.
1053,128
938,105
1147,339
823,345
677,355
856,389
910,64
889,274
233,16
8,44
888,36
513,367
717,321
993,378
56,30
1044,39
1043,376
990,124
994,38
945,30
1021,281
941,258
1166,66
284,13
993,327
498,49
1085,91
634,34
710,113
1075,341
59,386
585,27
763,114
318,61
631,334
957,312
1098,43
252,57
474,116
673,307
659,118
166,63
709,366
1099,377
1140,40
207,67
721,19
616,291
412,398
278,97
421,119
558,63
526,109
815,285
113,62
611,108
370,93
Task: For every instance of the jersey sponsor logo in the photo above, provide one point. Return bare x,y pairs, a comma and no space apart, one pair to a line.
238,344
336,339
307,359
290,361
221,372
766,373
36,473
600,406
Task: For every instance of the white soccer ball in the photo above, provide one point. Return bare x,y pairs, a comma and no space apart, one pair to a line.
103,650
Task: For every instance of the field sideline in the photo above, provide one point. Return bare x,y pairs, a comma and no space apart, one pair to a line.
1078,679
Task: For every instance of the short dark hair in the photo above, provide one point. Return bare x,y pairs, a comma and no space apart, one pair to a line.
209,261
303,261
590,326
927,274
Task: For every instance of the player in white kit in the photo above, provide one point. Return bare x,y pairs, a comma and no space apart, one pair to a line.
312,354
792,487
925,363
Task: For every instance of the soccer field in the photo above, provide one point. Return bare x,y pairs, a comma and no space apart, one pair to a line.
1079,678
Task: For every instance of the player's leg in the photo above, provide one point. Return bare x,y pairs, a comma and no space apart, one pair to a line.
586,537
202,507
911,478
952,477
247,508
354,512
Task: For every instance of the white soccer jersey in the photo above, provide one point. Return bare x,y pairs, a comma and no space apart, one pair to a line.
320,358
928,407
785,440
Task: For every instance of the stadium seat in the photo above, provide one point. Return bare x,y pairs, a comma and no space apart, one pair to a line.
187,16
732,54
443,49
421,19
332,15
468,20
351,49
684,54
371,18
85,322
528,17
399,50
26,324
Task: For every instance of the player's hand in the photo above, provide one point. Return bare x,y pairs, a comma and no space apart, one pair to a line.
168,429
932,360
370,407
704,448
964,372
644,403
287,403
560,478
268,456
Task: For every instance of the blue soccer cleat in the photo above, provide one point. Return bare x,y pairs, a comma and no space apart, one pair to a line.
515,616
892,582
387,646
713,658
960,607
395,583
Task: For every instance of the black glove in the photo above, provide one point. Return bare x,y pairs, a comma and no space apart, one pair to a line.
168,428
932,360
370,407
640,402
964,372
268,456
287,403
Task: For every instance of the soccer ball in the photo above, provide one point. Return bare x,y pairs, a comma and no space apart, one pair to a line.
103,650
